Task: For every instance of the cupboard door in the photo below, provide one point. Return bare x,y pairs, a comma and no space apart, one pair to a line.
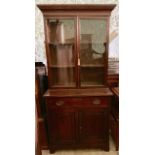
62,52
94,126
92,51
62,126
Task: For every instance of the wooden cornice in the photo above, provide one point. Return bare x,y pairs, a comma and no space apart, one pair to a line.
76,7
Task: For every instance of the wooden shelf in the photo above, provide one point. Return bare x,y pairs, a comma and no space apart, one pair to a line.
60,44
91,84
92,43
64,86
70,66
62,66
92,66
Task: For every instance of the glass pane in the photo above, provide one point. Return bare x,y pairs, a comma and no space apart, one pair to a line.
62,31
62,52
63,77
92,51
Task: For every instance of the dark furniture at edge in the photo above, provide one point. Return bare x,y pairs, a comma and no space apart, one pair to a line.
114,117
41,87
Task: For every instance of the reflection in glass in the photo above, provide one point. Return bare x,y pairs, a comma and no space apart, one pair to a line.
62,31
62,61
92,51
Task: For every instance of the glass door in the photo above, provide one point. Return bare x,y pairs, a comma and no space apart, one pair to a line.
92,55
62,52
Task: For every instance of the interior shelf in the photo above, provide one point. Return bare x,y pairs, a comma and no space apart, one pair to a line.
90,84
70,66
91,66
64,85
60,44
62,66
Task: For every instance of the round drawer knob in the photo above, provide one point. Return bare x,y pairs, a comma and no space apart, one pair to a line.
96,102
59,103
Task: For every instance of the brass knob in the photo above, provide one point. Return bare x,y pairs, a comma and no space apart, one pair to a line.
59,103
96,102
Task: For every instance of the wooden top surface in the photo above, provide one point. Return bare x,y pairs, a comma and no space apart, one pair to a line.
78,92
99,7
115,90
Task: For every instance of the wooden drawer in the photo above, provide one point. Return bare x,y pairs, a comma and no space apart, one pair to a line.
77,102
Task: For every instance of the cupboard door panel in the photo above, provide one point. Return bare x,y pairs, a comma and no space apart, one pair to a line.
62,126
93,125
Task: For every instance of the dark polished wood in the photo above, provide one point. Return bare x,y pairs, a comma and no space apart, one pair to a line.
40,81
77,111
37,113
115,102
72,7
78,92
113,80
43,134
115,90
37,136
78,122
114,118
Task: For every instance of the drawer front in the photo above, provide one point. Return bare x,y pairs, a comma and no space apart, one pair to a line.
78,102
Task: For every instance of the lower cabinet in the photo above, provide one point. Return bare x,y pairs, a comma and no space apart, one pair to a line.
78,123
93,126
62,126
